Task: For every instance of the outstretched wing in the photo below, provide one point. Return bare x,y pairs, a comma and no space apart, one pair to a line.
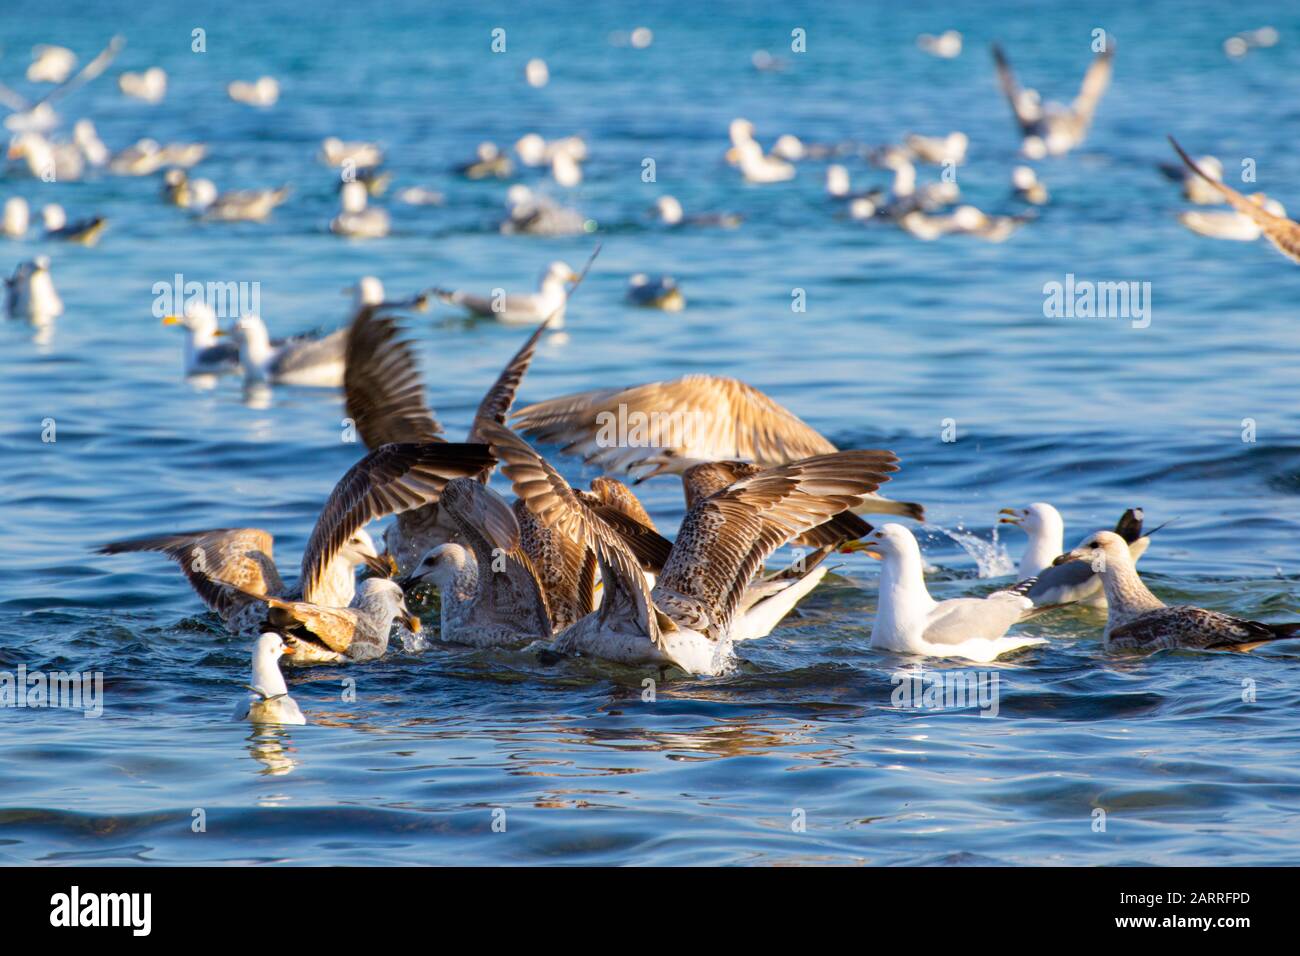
725,538
393,478
241,557
1279,230
382,387
1095,81
1011,90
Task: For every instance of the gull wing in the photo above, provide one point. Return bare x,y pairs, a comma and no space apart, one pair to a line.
394,478
1195,627
299,354
961,619
383,390
725,538
1011,90
1096,79
241,557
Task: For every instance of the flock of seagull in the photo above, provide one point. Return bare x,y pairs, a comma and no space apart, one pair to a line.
572,571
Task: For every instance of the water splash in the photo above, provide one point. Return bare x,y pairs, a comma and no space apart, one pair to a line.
990,556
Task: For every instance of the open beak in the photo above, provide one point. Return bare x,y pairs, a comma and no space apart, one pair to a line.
412,623
381,564
1011,516
864,546
172,320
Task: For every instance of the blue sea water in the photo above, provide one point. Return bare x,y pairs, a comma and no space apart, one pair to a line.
799,756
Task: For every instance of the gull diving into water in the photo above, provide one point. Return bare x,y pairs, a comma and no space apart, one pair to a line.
516,308
697,609
910,621
233,572
673,425
1073,583
1054,129
1137,620
1282,232
269,701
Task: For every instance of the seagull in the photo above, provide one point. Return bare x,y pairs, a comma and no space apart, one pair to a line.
532,214
1065,584
489,162
52,162
50,64
30,293
1230,225
938,150
1198,188
149,85
88,141
309,360
1026,186
1282,232
356,219
264,91
1137,620
520,308
146,156
335,152
910,621
233,572
695,612
946,45
85,232
1054,130
205,354
180,190
245,205
39,114
658,292
670,213
269,701
666,427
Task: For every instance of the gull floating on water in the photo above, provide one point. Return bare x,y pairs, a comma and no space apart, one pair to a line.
357,219
1137,620
1282,232
537,215
1073,583
180,189
245,205
85,232
687,421
205,353
149,86
938,150
910,621
1053,130
946,46
695,612
336,152
1026,185
53,162
489,162
670,213
269,701
655,292
309,360
520,308
30,293
264,91
233,572
146,156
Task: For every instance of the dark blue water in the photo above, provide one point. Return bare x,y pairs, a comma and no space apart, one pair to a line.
799,756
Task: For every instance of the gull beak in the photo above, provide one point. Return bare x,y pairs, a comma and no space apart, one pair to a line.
380,564
220,333
412,623
391,563
862,546
172,320
573,277
1011,516
14,152
1067,558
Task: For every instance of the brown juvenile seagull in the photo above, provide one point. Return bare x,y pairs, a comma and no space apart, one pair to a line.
1053,130
232,569
697,608
1284,233
1137,620
667,427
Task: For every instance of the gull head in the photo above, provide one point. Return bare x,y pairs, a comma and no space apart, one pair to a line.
969,217
439,567
249,333
269,648
741,131
388,595
53,217
559,271
368,291
1033,147
198,317
1102,550
837,180
531,149
360,549
669,209
788,146
1040,516
886,542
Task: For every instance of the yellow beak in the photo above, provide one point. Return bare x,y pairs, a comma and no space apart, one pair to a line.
1012,516
861,546
412,623
172,320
